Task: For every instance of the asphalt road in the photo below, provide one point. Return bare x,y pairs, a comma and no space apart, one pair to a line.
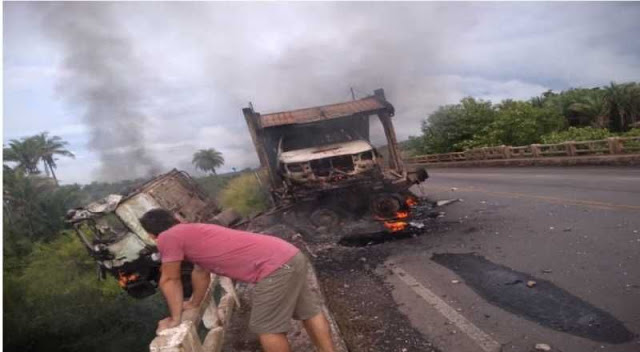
576,229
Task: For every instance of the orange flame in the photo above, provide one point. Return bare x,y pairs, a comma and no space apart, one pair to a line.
402,215
123,279
395,226
410,202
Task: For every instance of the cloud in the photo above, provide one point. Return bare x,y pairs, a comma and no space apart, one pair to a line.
191,67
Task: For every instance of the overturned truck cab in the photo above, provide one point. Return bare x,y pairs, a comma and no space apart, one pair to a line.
113,236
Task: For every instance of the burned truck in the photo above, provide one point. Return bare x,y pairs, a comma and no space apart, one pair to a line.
321,162
113,236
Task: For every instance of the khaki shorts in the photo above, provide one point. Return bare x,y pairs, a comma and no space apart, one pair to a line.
283,295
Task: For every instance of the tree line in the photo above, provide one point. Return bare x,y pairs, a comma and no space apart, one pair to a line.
574,114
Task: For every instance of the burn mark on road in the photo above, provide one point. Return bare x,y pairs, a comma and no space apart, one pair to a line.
361,240
544,303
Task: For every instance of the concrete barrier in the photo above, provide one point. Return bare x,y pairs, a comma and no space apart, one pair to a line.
215,317
610,151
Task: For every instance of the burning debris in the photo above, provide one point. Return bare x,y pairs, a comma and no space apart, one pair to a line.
408,222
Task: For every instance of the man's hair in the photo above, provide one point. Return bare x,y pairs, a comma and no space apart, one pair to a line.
156,221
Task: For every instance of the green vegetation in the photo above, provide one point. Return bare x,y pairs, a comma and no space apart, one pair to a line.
577,134
244,194
575,114
53,300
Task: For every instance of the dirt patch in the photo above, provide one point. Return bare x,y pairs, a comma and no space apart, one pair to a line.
361,301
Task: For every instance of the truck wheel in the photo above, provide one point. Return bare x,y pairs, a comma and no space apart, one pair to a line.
386,205
324,217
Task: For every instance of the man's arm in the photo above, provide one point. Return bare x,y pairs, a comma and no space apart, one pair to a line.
171,288
200,279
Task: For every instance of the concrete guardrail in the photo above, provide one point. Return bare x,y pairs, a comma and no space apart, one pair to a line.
571,149
215,316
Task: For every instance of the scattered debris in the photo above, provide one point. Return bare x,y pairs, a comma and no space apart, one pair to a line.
542,347
551,228
531,283
455,281
442,203
417,225
454,189
546,271
567,229
483,202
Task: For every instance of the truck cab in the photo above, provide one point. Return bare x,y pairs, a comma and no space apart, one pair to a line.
333,158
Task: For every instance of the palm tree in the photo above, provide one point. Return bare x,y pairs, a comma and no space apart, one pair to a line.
590,109
49,148
208,160
622,105
29,151
26,152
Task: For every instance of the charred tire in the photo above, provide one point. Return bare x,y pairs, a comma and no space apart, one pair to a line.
324,217
386,205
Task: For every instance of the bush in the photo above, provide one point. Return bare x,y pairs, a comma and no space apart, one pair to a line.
55,302
577,134
213,184
634,132
244,194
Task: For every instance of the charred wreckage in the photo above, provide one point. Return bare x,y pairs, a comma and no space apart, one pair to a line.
114,237
324,172
326,181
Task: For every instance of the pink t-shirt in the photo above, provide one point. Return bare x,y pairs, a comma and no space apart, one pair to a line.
240,255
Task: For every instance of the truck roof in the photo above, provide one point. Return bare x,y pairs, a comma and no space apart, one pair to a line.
367,106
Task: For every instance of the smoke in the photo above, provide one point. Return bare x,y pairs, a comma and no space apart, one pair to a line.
104,81
330,48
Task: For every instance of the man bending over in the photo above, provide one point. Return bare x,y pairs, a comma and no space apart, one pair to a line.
278,269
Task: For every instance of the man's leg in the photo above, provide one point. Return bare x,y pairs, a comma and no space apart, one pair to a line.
274,342
318,329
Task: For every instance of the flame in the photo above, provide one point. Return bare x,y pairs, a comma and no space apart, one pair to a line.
396,223
123,278
402,215
395,226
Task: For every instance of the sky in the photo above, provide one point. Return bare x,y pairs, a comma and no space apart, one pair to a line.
137,88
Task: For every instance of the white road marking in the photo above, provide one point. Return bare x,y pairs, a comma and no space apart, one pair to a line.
486,342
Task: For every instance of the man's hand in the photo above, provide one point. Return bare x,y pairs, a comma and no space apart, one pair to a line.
167,323
187,305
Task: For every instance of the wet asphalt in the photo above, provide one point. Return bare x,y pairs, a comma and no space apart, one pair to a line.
576,231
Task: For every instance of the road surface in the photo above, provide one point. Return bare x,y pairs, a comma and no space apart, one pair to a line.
574,230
